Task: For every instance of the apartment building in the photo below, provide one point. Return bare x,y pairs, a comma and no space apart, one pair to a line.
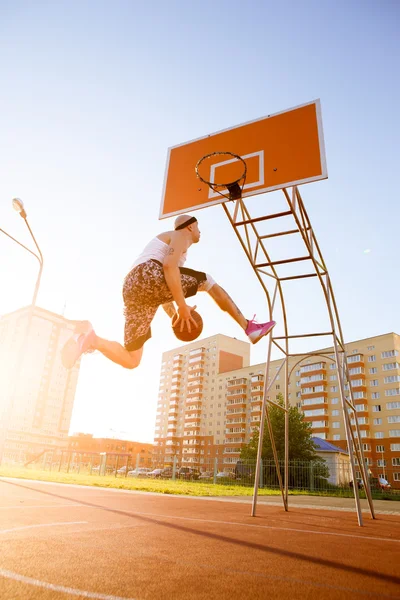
36,391
190,414
205,412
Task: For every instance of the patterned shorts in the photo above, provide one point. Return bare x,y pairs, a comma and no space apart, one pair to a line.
144,290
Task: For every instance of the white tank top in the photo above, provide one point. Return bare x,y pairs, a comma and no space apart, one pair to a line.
156,249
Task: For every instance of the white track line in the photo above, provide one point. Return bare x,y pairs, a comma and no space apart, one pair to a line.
40,506
215,522
3,531
59,588
291,529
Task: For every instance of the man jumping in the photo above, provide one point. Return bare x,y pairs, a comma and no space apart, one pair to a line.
158,278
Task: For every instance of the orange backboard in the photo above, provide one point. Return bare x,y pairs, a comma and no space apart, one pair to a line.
280,150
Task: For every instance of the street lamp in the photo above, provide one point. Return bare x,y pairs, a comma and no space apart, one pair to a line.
18,206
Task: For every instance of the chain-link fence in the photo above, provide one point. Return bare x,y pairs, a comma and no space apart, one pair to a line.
321,476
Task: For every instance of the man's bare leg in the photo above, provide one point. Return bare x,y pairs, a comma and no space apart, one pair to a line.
226,304
118,354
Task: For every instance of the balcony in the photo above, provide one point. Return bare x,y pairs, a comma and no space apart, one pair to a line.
233,451
192,417
306,382
192,392
193,408
235,437
358,384
315,368
235,411
314,391
355,360
315,403
239,391
196,351
236,383
197,368
195,383
235,422
237,403
195,374
257,391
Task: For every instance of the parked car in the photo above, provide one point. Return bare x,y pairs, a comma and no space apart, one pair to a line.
166,473
155,473
206,475
108,470
122,469
187,473
225,475
360,484
244,471
139,472
380,483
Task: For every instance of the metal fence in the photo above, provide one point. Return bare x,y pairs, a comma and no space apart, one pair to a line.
333,477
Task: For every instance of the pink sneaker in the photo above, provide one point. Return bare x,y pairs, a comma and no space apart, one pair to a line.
78,344
255,331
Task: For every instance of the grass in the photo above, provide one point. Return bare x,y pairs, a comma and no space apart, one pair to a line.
163,486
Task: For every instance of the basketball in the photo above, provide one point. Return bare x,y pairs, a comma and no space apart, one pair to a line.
185,335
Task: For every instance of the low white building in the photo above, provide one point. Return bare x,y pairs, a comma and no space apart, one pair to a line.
337,461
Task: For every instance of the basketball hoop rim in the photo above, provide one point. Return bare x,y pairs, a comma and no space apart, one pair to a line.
229,183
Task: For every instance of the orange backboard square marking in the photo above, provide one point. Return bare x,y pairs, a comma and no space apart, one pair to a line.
283,149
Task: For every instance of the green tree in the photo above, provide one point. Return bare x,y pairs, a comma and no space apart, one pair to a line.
301,446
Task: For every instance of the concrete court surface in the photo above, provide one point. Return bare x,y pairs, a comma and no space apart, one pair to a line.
59,541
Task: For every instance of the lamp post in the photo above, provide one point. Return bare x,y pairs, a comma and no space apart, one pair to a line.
18,206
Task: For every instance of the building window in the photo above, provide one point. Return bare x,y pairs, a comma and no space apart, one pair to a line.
374,382
380,448
372,358
336,424
394,432
392,379
376,408
393,392
373,370
392,405
395,447
335,401
396,462
335,413
336,437
378,434
377,421
394,419
389,354
390,366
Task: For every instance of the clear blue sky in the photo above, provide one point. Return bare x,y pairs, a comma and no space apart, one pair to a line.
93,94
